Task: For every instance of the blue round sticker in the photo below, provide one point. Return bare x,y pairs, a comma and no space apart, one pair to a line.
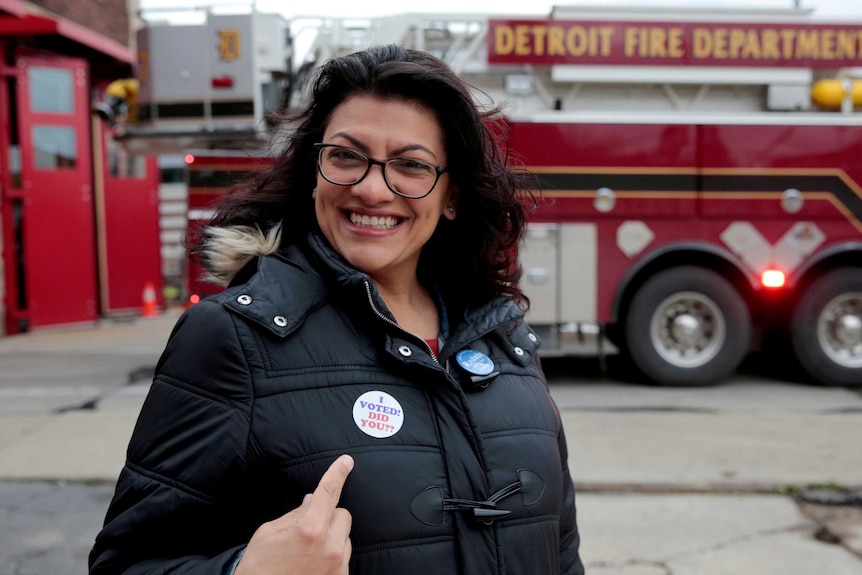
474,362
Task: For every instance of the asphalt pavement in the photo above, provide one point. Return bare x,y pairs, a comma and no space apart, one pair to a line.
750,477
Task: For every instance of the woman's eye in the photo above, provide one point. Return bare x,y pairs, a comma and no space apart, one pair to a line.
413,166
346,155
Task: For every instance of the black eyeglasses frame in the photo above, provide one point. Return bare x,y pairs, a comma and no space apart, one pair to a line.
439,170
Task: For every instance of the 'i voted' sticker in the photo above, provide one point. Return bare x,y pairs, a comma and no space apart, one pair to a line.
378,414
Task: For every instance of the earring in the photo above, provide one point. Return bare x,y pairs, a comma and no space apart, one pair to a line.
314,193
451,210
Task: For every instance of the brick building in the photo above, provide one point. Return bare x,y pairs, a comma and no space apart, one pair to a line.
107,18
78,213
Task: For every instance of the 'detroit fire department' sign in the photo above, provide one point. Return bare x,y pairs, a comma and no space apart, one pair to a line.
678,43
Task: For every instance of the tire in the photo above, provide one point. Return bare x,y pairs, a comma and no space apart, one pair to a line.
826,328
687,326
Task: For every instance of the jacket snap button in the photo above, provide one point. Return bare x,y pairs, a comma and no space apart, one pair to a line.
244,299
519,351
405,351
532,337
279,320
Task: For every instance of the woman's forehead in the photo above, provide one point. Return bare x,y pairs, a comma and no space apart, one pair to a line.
364,120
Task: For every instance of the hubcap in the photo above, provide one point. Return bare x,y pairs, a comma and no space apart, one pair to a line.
688,329
839,330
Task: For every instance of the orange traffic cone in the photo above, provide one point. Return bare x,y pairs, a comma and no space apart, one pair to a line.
149,306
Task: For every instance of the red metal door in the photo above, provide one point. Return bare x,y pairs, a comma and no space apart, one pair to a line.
57,220
131,257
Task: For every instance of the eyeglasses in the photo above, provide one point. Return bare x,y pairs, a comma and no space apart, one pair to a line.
409,178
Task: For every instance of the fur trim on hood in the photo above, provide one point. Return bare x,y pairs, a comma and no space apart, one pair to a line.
226,250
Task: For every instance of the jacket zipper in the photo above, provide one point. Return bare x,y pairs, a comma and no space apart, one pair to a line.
379,314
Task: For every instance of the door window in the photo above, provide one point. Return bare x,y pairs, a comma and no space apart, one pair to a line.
54,147
51,90
122,163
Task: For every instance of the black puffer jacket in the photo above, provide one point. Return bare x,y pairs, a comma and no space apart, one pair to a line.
263,386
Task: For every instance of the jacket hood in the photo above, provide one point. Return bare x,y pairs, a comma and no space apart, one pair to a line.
227,250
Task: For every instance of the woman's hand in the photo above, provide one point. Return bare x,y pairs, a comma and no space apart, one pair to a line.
313,539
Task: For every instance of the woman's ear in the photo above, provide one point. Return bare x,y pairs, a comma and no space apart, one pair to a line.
451,209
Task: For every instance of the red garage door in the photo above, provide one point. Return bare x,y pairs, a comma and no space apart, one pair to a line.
131,257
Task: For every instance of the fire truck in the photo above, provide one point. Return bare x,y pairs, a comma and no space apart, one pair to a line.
700,172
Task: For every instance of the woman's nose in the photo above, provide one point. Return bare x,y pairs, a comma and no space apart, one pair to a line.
372,188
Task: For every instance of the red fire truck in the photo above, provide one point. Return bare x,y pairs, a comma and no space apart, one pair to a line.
700,174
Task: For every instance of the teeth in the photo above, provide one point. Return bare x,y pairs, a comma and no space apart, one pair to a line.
382,222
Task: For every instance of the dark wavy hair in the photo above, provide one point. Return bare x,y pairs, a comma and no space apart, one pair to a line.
471,258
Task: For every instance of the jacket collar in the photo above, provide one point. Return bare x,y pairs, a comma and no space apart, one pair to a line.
298,279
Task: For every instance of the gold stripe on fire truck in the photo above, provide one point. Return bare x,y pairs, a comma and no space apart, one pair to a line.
610,170
836,172
839,173
626,194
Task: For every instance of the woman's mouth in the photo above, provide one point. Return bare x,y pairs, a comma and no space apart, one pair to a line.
376,222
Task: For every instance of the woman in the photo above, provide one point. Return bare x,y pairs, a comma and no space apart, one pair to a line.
365,396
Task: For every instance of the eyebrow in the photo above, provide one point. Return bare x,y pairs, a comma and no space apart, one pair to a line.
395,152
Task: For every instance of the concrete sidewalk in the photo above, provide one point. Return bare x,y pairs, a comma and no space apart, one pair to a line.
670,488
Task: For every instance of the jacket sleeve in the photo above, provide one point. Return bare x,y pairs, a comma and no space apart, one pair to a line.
176,508
570,539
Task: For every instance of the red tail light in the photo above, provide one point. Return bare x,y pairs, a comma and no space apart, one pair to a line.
773,279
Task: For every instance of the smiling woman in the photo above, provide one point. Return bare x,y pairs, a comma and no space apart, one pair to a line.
379,221
365,396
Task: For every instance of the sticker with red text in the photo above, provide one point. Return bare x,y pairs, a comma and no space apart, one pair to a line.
378,414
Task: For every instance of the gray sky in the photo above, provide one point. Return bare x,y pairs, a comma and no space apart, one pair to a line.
370,8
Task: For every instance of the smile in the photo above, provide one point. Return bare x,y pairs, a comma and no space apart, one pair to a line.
378,222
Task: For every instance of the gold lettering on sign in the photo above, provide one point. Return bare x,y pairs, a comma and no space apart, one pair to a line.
228,44
522,41
770,44
555,42
539,33
617,43
807,45
504,40
846,44
701,43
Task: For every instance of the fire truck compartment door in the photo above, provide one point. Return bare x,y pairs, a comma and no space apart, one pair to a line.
578,273
559,263
540,258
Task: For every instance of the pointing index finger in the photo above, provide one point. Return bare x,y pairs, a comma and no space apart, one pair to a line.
328,491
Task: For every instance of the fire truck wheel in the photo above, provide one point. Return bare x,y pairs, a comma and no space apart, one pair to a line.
687,326
827,328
